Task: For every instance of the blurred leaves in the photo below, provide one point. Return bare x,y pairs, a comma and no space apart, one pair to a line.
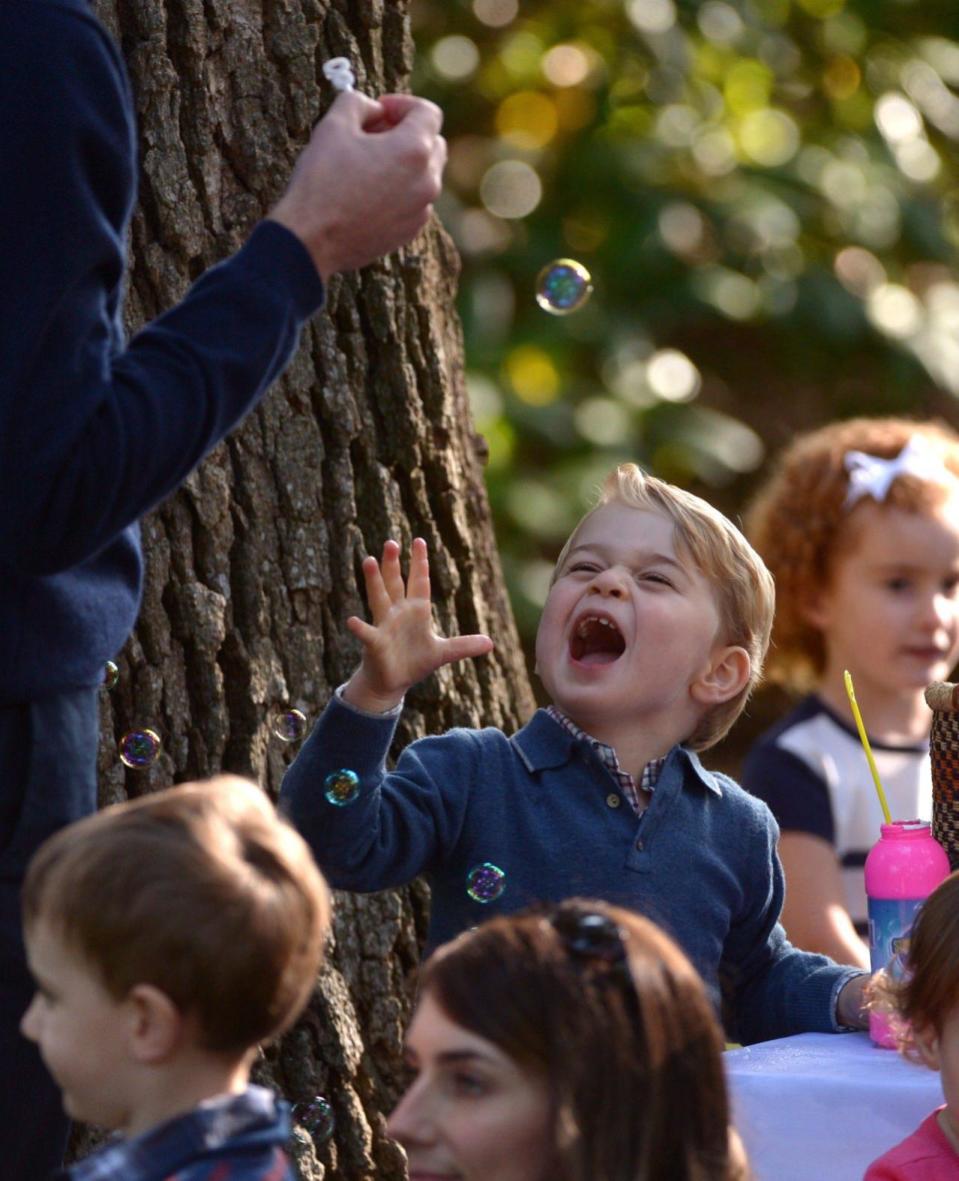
766,195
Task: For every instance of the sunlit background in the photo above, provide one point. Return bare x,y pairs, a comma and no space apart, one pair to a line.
766,197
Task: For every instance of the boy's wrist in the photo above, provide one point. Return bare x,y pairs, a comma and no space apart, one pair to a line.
851,1011
358,693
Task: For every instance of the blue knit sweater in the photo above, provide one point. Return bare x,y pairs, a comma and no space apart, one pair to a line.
541,808
94,433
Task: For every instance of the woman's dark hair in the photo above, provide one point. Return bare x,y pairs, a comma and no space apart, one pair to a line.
605,1008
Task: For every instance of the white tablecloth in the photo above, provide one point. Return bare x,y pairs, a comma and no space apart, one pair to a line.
821,1107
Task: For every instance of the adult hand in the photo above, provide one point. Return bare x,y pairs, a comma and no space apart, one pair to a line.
366,182
400,646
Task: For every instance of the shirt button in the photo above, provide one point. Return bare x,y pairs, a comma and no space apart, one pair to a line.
639,845
613,800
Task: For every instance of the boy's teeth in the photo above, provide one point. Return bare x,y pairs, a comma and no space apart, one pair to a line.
584,624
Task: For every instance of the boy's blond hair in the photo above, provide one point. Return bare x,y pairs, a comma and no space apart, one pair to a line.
800,524
741,584
202,891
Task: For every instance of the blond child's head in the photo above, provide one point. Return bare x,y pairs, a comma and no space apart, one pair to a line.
738,584
200,891
809,516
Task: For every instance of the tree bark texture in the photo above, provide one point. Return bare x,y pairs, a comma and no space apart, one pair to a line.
252,568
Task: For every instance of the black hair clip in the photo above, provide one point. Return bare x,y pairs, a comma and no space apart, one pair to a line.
589,935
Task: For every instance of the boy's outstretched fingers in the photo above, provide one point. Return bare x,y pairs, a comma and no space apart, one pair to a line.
463,647
377,594
418,586
391,574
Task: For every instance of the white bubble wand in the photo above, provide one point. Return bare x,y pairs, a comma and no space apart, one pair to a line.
339,73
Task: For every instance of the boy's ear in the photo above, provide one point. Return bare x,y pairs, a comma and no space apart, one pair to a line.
926,1040
155,1026
726,675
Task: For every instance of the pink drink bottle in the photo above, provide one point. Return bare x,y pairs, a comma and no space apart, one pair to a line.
902,870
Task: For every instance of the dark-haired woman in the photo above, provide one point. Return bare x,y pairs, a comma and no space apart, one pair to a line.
574,1043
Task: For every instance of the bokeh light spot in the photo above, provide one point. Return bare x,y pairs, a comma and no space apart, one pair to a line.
652,16
511,189
495,13
527,119
455,58
769,137
672,376
894,310
532,374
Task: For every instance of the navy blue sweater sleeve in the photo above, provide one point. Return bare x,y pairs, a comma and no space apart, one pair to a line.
400,823
770,988
795,795
93,434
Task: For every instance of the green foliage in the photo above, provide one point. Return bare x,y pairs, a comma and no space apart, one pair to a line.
766,194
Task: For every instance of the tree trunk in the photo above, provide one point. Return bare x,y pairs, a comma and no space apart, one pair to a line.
252,567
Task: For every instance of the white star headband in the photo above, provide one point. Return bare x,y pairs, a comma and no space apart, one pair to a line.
871,476
339,73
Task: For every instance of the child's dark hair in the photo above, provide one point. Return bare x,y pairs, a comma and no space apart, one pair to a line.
201,890
604,1007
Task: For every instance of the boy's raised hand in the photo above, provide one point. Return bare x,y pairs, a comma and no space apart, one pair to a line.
400,646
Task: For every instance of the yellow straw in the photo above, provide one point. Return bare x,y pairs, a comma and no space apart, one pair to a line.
851,694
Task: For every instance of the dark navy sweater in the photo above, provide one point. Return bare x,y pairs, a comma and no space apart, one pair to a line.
93,432
543,810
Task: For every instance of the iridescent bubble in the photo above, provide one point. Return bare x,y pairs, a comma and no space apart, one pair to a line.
563,286
485,883
342,787
317,1117
139,748
111,674
290,725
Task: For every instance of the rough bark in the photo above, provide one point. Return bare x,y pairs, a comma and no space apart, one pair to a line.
252,567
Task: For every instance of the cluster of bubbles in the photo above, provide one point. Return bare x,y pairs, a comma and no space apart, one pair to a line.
140,748
485,883
317,1117
563,286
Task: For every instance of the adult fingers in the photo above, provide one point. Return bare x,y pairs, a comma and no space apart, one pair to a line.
354,108
419,113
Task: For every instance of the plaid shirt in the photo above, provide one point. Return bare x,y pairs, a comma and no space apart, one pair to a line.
607,756
229,1138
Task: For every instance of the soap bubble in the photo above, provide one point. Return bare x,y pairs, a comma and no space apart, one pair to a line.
341,787
317,1117
111,674
290,725
485,883
139,748
563,286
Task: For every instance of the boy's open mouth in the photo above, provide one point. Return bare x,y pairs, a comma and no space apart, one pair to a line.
596,640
